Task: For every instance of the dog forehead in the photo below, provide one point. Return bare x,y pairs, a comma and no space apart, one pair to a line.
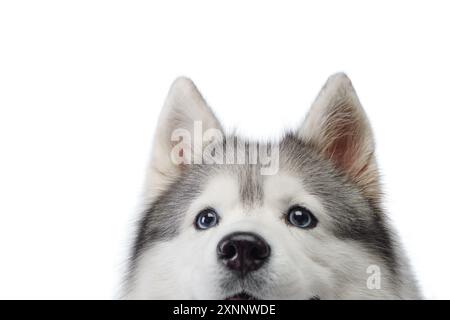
246,187
249,177
247,184
237,184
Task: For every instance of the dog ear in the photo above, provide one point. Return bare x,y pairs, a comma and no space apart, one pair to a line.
182,122
338,127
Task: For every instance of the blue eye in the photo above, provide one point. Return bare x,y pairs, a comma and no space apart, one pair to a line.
206,219
301,217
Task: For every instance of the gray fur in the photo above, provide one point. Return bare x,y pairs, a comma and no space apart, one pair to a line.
331,156
356,217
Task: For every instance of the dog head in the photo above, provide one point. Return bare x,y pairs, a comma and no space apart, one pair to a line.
230,219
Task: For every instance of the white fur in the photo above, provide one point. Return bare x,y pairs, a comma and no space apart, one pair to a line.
304,263
184,105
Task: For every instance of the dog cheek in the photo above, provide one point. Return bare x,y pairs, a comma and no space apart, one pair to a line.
203,267
299,275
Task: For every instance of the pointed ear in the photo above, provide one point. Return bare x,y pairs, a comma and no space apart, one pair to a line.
338,127
184,118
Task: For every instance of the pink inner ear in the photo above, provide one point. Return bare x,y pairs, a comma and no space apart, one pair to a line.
181,155
340,152
344,147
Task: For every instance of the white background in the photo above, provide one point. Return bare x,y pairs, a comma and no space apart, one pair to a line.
82,83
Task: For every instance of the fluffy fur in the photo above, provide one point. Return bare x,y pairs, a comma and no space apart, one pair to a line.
327,165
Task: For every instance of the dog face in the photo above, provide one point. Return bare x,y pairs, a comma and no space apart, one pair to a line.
301,220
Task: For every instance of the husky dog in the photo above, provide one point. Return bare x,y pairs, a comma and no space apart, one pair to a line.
313,227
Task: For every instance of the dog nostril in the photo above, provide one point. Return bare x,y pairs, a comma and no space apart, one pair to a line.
227,250
260,252
243,252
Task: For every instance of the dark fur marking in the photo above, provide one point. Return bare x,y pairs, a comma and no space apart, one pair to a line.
357,218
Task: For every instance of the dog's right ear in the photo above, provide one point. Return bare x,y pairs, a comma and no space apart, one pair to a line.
173,145
339,129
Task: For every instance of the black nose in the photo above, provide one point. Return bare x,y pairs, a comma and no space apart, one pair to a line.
243,252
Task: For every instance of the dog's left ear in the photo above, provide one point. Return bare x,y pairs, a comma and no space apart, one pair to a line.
174,145
338,127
